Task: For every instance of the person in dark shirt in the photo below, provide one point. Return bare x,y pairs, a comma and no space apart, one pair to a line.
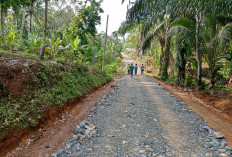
131,69
136,68
142,69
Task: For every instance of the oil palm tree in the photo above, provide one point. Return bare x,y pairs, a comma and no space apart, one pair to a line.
182,32
157,32
216,38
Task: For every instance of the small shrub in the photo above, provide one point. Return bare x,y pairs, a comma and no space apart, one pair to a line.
188,80
110,69
203,85
172,79
43,79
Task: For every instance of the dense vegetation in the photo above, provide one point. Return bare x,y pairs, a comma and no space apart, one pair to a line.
187,39
61,30
51,53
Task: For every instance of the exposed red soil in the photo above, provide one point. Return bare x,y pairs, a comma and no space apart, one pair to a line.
14,74
58,127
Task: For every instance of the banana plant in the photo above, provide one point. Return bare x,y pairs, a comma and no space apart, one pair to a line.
78,49
33,44
11,35
56,45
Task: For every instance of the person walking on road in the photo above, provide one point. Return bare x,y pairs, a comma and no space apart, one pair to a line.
136,68
128,69
131,69
142,69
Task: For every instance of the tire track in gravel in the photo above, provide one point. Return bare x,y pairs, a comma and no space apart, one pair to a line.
167,119
176,132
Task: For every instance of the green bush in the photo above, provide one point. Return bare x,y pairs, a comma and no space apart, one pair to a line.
112,66
188,80
203,85
110,69
172,79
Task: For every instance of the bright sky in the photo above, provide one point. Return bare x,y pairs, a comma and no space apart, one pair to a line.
117,14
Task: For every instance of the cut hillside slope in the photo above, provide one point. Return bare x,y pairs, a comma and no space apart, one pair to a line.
29,89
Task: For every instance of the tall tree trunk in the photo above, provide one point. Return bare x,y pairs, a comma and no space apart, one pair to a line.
44,31
212,80
162,44
17,21
51,49
30,22
172,64
2,25
21,31
14,21
198,53
141,47
161,60
103,61
164,73
181,66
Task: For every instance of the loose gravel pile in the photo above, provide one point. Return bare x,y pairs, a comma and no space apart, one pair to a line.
141,119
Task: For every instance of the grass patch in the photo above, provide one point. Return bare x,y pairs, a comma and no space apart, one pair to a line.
149,74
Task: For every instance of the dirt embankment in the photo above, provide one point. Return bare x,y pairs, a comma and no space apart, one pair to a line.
58,127
33,92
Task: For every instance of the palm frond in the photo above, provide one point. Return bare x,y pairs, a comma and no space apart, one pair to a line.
225,35
178,29
147,42
125,27
185,22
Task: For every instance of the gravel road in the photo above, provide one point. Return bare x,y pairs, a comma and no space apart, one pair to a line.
141,119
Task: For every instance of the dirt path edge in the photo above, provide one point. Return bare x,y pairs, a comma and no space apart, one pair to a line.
55,123
212,116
